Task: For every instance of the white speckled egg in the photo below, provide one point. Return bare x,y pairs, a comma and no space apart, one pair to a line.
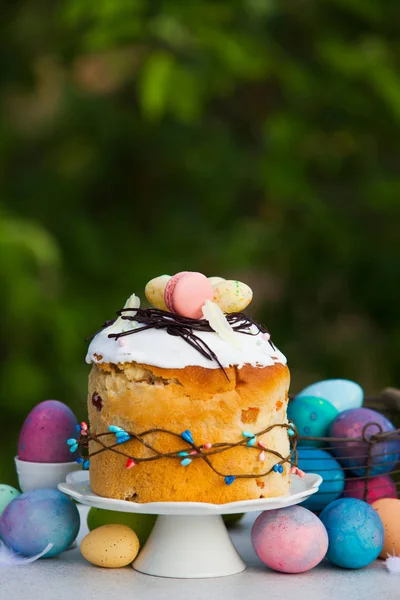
215,280
110,546
154,291
232,296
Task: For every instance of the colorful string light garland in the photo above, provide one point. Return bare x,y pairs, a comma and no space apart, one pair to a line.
189,453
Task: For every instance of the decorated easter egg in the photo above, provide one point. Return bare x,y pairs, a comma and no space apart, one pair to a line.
315,460
7,493
342,393
110,546
232,296
388,510
289,540
312,417
215,280
38,518
154,291
355,533
142,525
381,486
354,424
45,432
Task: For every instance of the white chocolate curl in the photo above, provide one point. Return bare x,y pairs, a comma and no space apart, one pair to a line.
122,324
217,320
232,296
154,291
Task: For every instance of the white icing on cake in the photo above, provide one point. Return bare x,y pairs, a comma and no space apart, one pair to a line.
156,347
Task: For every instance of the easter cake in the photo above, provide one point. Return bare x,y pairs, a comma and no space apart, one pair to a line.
187,399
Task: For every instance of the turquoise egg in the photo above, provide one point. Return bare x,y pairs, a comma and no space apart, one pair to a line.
355,533
342,393
315,460
7,493
312,417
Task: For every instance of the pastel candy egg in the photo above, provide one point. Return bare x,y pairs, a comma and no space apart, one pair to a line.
38,518
315,460
381,486
110,546
312,417
289,540
388,510
7,493
186,293
342,393
44,434
215,280
353,454
154,291
142,525
232,296
355,533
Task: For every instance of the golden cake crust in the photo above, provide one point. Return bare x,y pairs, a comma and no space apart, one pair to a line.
140,397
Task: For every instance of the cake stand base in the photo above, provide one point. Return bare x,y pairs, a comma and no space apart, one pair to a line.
189,539
189,547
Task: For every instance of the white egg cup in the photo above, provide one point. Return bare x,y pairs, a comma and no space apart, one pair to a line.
189,539
34,475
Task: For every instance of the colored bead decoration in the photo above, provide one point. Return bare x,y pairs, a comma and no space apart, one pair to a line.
185,462
187,436
229,479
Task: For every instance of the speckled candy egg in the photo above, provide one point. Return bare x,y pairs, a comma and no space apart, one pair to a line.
142,525
38,518
388,510
353,454
315,460
381,486
7,493
232,296
342,393
355,533
45,431
289,540
110,546
312,417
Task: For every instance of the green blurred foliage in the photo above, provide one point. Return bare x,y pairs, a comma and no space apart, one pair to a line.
257,139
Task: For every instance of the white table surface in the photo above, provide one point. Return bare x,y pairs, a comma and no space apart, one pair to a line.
70,577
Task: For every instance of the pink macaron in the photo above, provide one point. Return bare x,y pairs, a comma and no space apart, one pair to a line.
186,293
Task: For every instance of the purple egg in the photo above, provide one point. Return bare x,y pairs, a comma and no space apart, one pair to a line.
45,432
38,518
289,540
354,423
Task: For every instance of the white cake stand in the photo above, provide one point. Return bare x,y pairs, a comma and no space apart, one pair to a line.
189,539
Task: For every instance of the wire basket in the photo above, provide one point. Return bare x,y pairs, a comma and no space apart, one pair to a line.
371,450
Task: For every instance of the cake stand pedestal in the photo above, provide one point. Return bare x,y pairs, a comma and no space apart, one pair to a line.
189,539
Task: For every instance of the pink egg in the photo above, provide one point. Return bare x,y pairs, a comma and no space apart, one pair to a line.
381,486
45,431
289,540
186,293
